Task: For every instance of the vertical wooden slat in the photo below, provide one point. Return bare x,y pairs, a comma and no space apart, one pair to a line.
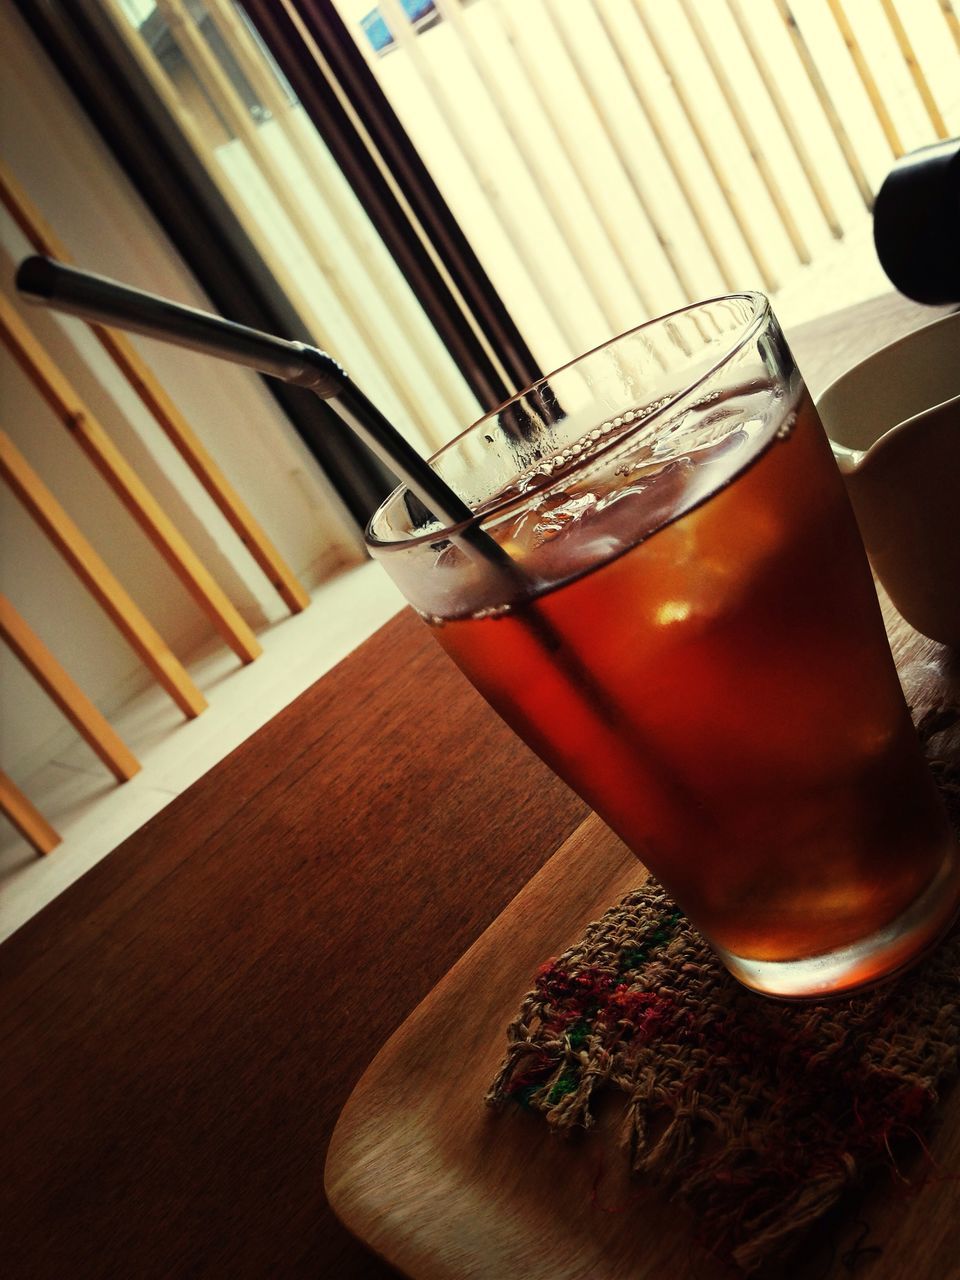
165,90
916,71
469,309
561,211
238,515
771,82
747,133
709,151
400,303
509,215
952,21
97,578
819,87
124,481
228,102
31,824
866,77
166,414
699,210
537,72
168,93
249,58
217,86
630,163
66,693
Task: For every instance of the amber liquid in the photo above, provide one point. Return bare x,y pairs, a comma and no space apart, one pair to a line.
723,695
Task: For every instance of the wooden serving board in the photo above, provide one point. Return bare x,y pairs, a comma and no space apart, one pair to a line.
445,1189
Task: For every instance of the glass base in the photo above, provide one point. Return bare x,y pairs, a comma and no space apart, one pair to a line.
876,958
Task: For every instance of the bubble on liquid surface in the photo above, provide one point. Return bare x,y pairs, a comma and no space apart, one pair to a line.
569,521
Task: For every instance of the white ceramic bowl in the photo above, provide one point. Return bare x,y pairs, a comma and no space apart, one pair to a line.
894,422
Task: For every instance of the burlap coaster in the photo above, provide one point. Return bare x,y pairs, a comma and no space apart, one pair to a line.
760,1115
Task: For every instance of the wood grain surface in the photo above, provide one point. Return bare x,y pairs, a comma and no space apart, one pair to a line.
183,1025
445,1189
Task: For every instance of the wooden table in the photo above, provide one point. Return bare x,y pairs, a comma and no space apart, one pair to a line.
182,1027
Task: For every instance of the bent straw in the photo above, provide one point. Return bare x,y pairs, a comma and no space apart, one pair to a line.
94,297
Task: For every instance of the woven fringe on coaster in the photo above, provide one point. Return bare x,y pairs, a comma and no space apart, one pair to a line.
760,1115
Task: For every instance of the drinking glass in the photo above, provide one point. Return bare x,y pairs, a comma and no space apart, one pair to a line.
664,592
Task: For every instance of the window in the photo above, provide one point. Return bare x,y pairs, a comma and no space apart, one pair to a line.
453,195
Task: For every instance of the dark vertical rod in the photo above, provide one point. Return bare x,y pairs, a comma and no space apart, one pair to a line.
296,61
104,76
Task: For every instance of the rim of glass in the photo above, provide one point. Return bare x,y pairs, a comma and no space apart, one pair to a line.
761,309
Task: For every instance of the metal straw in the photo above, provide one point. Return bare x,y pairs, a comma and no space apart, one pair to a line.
96,298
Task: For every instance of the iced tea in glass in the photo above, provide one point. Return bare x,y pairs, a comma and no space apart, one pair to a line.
678,616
